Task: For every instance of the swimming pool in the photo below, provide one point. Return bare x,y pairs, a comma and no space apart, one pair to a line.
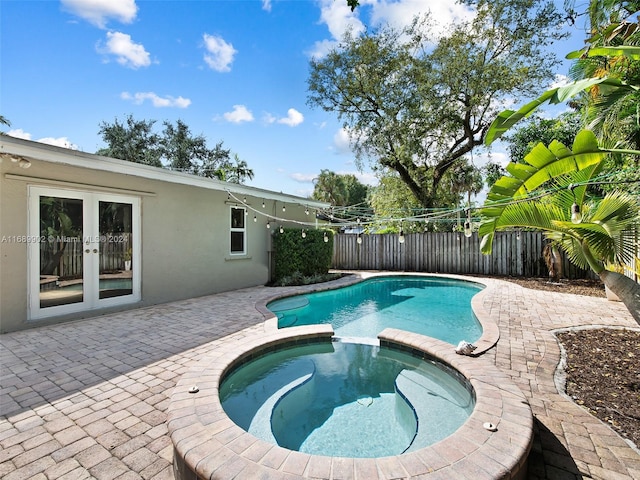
433,306
346,399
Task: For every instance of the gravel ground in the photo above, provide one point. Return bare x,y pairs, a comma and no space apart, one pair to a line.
603,365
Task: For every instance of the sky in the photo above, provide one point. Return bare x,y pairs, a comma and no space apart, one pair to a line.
235,71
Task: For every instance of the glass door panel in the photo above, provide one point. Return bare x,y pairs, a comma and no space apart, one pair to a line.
116,249
88,251
61,262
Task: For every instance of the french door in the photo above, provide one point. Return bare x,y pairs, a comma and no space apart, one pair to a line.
84,250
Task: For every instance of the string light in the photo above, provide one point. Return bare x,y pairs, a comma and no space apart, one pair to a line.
467,229
576,216
326,237
304,234
281,229
362,215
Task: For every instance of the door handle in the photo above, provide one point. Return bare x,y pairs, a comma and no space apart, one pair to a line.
87,251
95,250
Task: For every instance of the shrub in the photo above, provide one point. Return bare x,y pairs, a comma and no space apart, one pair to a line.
295,256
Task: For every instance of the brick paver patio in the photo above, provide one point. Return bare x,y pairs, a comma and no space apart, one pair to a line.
88,399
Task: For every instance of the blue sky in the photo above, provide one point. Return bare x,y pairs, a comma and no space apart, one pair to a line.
233,70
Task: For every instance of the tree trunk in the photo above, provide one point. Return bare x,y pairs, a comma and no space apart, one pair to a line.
627,290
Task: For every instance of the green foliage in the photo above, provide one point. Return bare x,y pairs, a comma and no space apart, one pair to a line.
306,257
542,165
176,148
536,130
340,190
417,109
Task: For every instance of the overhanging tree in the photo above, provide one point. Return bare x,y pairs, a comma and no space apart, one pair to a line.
416,104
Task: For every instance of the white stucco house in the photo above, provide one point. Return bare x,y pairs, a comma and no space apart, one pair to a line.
82,234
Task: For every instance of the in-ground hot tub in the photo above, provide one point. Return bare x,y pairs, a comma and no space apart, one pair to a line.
346,399
493,442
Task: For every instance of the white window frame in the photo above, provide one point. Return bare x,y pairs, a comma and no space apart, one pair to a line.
242,230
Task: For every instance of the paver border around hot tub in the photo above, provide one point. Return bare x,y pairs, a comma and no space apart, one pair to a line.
208,445
490,331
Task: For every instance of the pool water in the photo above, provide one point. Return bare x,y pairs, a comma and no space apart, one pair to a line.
437,307
105,284
346,399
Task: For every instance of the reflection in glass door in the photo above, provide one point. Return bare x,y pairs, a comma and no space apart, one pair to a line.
87,255
116,249
61,257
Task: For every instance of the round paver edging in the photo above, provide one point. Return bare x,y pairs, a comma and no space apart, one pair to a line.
207,444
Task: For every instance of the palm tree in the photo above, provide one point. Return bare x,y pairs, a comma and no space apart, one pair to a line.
608,232
549,193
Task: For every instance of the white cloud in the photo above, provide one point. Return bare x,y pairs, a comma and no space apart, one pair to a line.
303,177
293,118
157,101
239,114
266,5
341,141
219,54
127,53
401,13
98,12
19,133
560,81
339,18
366,178
58,142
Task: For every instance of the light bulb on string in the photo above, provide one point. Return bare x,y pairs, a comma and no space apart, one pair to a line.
359,240
576,216
268,224
284,208
326,237
401,236
281,229
304,234
255,219
467,229
263,205
306,210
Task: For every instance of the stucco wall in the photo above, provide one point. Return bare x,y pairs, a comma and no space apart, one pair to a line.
185,237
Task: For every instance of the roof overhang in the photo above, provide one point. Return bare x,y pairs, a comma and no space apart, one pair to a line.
17,148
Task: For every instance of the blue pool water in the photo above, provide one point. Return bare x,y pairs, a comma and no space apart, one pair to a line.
105,284
346,399
437,307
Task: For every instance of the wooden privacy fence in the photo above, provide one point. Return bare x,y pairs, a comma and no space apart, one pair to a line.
112,247
516,254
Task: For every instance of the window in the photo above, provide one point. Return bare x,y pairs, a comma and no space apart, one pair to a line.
238,231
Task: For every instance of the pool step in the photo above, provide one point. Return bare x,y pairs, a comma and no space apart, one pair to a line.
261,424
432,406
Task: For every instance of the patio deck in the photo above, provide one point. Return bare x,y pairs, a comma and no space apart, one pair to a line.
89,399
